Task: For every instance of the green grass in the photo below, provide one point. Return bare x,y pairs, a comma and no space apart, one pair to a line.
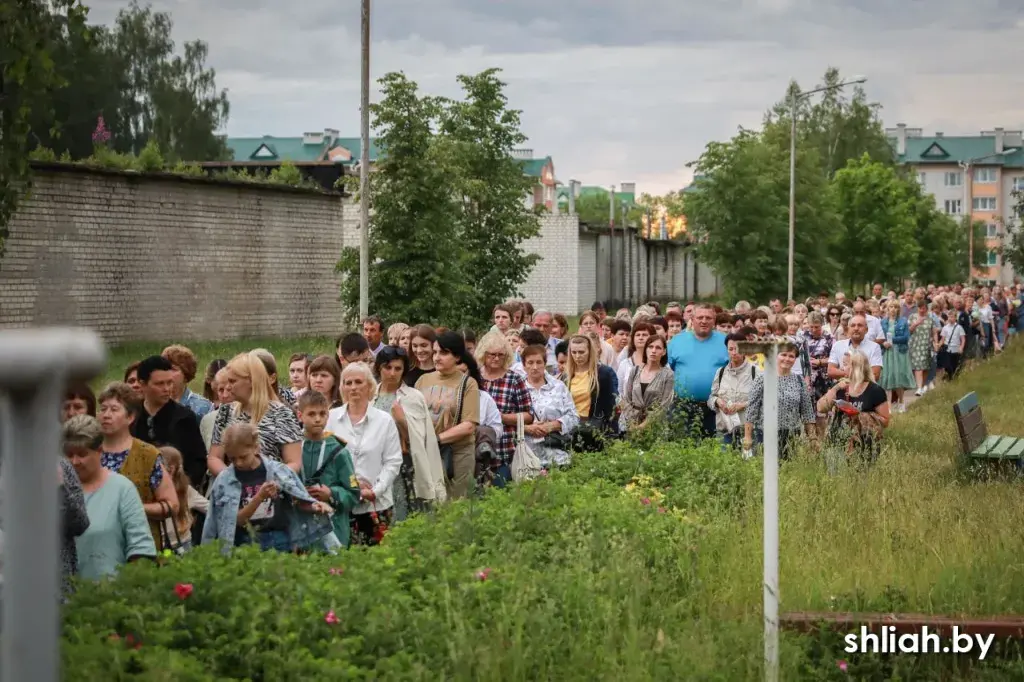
590,583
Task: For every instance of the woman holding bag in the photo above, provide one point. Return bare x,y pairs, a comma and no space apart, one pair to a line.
421,478
556,415
453,402
508,389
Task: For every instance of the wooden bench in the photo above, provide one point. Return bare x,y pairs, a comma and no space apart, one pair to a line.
975,441
1003,627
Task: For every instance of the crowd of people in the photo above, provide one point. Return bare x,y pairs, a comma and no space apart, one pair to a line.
330,451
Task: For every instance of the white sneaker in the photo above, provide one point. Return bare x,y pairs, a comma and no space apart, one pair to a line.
919,392
930,387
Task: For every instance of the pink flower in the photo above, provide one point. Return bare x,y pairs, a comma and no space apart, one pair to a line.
661,510
646,501
330,618
336,571
483,575
842,665
101,135
183,590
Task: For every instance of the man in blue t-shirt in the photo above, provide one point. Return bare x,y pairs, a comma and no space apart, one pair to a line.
695,356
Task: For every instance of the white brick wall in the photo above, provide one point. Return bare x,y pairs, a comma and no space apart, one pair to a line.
553,281
587,263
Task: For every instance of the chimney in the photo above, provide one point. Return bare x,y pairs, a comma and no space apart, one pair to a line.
1000,138
330,135
938,133
572,197
901,138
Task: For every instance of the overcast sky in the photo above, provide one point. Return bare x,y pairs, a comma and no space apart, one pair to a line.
613,91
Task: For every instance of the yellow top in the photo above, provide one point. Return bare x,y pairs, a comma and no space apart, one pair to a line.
580,390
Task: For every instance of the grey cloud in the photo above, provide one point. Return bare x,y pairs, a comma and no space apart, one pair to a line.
613,91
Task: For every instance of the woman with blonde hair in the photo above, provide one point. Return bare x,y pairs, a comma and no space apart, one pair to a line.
395,332
592,387
256,402
862,409
373,441
495,357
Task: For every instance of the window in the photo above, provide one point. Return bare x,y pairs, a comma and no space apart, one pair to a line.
921,178
985,175
993,257
1018,183
953,206
953,179
992,230
983,203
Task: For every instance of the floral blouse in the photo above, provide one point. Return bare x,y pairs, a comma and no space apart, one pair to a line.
552,402
795,405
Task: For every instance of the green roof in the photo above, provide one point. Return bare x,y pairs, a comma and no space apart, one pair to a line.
947,150
562,194
269,148
534,167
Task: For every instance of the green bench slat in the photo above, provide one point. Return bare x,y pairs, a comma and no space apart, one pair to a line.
1003,447
1017,451
1000,447
985,448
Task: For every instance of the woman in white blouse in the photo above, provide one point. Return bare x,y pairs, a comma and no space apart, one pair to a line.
372,439
554,411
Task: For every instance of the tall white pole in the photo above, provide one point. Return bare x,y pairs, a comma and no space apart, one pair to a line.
771,516
364,173
35,366
792,191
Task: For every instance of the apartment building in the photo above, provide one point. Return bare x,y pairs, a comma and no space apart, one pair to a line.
970,176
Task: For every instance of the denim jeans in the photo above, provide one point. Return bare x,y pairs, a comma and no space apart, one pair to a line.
277,540
502,476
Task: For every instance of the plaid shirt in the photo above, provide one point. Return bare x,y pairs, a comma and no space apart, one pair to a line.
511,396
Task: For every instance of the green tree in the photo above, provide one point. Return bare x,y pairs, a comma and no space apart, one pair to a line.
739,215
592,208
417,260
31,32
172,99
478,135
877,211
841,124
1013,249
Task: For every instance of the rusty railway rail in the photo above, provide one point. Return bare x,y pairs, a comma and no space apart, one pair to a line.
1003,627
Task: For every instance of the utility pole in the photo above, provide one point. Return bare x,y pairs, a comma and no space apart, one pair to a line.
792,191
364,173
611,243
968,212
627,276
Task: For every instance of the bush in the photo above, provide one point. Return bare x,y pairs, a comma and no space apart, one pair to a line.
550,580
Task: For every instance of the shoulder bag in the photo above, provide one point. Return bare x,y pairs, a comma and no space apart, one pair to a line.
525,463
448,450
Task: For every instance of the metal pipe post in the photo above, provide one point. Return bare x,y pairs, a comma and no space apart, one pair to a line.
611,244
364,172
792,192
771,515
35,366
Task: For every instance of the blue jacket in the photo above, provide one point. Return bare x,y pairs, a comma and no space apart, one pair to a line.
900,335
304,529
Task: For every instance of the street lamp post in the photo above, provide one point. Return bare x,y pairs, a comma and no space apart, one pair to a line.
364,170
795,98
966,167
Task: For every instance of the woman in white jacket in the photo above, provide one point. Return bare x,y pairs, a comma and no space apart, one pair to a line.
421,480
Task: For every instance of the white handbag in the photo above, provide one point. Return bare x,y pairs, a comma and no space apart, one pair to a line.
525,464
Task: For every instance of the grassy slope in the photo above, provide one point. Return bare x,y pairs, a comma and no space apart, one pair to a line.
910,534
